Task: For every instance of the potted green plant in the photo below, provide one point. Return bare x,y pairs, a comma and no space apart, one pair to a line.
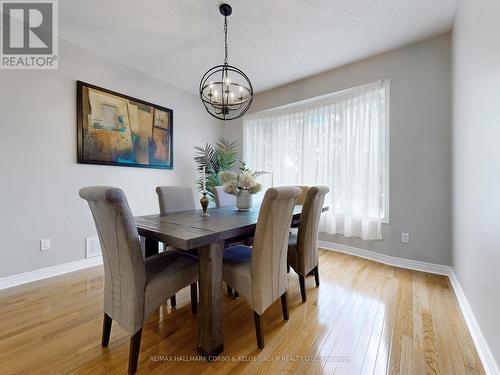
221,157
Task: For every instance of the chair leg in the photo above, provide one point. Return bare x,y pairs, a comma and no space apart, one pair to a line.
284,305
173,301
302,283
229,291
194,298
316,275
106,329
135,347
287,268
259,331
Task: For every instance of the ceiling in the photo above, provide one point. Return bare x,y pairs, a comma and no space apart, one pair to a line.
274,42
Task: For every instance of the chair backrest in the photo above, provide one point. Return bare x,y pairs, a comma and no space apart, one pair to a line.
269,254
302,197
223,199
124,272
308,229
175,199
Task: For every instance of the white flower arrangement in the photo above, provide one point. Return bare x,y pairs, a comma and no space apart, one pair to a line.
233,183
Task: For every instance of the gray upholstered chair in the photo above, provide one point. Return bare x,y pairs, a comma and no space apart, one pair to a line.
300,200
223,199
302,250
134,287
175,199
302,197
259,273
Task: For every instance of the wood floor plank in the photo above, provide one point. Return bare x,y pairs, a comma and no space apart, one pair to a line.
382,319
447,347
358,285
302,320
323,305
419,346
404,327
344,353
378,348
371,332
463,339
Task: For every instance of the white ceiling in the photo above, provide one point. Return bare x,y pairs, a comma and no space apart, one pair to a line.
273,41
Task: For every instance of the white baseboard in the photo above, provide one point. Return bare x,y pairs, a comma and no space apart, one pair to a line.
44,273
489,363
487,359
387,259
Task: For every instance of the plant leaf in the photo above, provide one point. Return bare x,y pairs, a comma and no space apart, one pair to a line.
216,159
227,154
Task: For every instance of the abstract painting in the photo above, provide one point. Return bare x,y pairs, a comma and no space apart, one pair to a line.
114,129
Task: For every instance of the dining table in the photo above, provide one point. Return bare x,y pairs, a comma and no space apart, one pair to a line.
189,230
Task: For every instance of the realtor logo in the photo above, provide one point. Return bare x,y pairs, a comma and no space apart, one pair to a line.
29,34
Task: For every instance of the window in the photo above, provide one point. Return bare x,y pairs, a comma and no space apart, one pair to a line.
338,140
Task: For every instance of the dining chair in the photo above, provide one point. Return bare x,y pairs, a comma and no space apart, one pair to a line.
259,273
302,249
300,200
175,199
302,197
134,287
223,199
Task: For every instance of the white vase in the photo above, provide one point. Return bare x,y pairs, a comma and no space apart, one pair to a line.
244,200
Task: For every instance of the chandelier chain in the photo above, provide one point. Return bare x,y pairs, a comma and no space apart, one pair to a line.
225,40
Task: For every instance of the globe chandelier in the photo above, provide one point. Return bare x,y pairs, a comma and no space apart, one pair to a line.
225,91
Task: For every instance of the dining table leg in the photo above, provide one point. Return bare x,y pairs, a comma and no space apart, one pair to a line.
210,335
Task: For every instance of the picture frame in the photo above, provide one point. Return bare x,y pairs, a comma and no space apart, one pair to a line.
120,130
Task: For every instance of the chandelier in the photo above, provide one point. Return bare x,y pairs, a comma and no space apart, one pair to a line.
225,91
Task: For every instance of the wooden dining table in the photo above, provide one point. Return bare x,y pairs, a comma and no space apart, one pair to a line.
189,230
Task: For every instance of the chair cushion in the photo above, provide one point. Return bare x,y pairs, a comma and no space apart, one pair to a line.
166,274
237,270
238,254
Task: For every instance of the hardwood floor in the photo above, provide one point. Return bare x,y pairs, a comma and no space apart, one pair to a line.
365,318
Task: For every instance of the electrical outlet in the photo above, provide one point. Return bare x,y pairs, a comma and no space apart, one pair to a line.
45,244
92,247
405,237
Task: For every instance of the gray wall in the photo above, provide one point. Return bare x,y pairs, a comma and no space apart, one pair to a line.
39,176
420,142
476,161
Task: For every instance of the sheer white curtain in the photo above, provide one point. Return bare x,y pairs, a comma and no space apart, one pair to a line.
339,140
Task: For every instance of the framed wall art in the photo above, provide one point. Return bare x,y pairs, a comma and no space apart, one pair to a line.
115,129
